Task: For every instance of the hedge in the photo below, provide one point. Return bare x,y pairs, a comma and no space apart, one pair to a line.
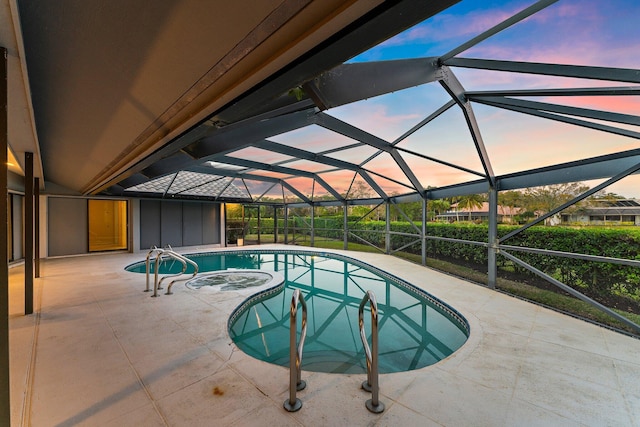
596,279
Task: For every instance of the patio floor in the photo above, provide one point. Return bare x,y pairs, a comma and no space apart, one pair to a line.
100,352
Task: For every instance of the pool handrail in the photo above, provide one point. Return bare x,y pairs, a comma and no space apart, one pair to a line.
169,252
371,384
156,282
293,404
185,261
148,262
175,256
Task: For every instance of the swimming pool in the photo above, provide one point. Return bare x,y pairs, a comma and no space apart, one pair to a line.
416,329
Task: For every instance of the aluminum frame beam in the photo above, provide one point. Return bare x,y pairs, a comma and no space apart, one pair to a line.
599,167
331,85
318,158
586,91
563,119
588,113
244,176
424,122
387,20
626,75
354,82
252,164
235,137
343,128
582,170
453,86
226,140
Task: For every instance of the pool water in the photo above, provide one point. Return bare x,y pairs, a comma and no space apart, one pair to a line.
415,329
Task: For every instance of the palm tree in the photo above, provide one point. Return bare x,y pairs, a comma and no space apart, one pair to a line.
471,201
438,206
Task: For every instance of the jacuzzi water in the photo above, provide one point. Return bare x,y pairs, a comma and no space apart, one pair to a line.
415,328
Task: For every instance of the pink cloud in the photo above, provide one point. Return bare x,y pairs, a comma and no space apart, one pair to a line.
377,118
302,184
562,10
582,33
517,142
451,26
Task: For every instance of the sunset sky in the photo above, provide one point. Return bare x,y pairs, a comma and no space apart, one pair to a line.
572,32
577,32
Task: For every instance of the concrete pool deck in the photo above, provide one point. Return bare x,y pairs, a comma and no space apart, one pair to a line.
100,352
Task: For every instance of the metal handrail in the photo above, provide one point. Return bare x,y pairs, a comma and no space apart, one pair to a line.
157,283
184,259
160,256
148,262
371,384
293,404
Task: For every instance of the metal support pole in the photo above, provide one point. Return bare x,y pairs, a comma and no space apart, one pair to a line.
28,233
225,237
345,227
275,224
36,224
243,227
286,224
424,230
492,269
5,385
387,234
313,225
259,225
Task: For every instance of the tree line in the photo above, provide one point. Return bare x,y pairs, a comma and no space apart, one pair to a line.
522,204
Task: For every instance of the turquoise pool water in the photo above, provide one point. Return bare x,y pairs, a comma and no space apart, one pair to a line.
416,329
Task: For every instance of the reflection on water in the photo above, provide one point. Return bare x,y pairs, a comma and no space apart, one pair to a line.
413,332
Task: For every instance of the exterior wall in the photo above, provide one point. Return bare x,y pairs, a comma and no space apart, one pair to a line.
67,226
610,219
179,223
17,226
64,224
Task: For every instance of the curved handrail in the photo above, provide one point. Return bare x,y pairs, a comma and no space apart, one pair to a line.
184,259
157,283
160,256
371,384
293,404
148,262
184,268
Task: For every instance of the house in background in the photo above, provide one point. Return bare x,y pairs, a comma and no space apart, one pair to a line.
606,212
506,214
